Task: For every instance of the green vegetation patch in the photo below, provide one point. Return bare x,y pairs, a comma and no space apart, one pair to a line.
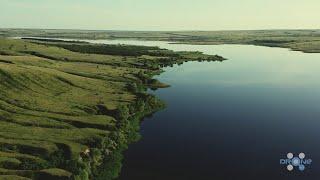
12,177
69,109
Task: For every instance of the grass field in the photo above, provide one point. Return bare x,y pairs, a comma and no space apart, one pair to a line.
300,40
68,109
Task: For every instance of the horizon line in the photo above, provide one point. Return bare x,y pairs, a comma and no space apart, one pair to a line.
84,29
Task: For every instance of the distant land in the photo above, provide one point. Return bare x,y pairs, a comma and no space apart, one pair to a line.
306,40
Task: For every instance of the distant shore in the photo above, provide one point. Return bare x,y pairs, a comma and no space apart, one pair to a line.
307,41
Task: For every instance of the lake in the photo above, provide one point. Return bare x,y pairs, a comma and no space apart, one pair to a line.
231,120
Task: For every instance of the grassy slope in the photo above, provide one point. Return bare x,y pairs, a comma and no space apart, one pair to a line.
63,113
300,40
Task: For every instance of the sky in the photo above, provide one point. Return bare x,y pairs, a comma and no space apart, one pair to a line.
160,14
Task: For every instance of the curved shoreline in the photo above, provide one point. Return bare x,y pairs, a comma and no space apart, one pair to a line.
84,101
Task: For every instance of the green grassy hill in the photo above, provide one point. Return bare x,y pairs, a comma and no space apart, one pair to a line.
69,109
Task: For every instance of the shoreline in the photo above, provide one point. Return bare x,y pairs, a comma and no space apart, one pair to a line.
62,74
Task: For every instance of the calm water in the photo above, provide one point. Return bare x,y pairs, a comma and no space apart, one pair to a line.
231,120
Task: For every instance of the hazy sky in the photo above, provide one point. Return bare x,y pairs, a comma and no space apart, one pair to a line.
160,14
